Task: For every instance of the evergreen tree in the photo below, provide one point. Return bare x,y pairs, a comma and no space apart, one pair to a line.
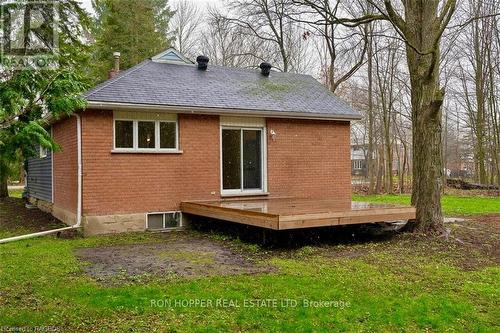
136,29
28,94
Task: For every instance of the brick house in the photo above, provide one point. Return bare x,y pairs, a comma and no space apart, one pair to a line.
169,130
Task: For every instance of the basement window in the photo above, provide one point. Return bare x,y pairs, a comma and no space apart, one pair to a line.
163,221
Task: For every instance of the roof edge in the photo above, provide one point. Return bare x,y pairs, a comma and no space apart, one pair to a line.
218,111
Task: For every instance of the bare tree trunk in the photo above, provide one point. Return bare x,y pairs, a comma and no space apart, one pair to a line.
21,173
444,151
480,98
380,171
426,193
405,162
492,102
385,71
4,193
423,27
495,130
398,170
371,120
388,155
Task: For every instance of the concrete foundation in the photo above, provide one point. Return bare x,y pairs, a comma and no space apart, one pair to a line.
44,206
64,215
98,225
110,224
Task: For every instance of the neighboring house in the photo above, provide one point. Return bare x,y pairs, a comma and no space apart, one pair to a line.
358,159
463,168
167,130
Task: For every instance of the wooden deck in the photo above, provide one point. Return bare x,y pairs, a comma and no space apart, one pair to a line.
289,213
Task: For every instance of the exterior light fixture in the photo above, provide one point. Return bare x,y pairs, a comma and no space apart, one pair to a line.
273,135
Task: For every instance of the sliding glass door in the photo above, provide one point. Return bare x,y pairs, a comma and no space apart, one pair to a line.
242,160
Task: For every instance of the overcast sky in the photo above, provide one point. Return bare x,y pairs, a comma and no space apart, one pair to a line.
87,3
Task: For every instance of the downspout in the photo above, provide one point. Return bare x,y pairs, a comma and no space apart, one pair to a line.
79,194
79,175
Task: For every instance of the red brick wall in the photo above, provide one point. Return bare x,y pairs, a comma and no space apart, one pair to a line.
65,165
133,183
307,159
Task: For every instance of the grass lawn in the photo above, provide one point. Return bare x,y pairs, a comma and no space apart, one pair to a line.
387,289
395,283
453,205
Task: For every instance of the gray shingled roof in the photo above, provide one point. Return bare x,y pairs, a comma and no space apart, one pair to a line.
166,84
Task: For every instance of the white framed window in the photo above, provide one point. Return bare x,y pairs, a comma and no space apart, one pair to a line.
146,134
43,152
243,160
357,164
163,220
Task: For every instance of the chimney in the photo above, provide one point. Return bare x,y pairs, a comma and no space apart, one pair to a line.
265,68
202,62
116,67
116,55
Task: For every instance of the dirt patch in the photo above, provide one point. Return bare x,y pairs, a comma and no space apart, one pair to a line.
470,245
182,255
472,193
479,238
17,219
492,220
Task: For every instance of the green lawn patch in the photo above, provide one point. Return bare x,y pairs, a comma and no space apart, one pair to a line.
393,283
401,284
452,205
15,193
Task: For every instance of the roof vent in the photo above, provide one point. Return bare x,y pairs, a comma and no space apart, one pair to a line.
202,62
265,68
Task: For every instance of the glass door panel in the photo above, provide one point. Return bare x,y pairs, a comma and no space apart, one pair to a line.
252,164
231,159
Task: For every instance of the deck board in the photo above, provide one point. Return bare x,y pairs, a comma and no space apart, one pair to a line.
295,213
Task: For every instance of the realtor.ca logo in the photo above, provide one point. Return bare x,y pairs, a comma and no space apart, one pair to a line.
29,34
